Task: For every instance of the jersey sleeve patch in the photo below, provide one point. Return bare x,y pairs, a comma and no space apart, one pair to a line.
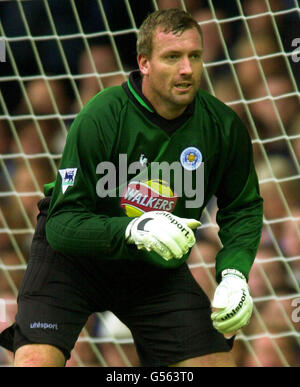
67,178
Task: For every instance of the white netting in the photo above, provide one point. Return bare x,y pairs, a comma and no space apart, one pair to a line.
59,53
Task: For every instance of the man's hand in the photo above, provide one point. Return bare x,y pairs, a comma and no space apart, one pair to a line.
166,234
232,303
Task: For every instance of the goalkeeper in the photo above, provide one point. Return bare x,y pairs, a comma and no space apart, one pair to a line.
88,256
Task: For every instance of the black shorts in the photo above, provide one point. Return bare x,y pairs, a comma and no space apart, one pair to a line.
165,309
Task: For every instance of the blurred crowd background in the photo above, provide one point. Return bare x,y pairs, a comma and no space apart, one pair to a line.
250,64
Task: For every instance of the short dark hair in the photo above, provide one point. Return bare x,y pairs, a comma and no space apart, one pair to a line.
170,20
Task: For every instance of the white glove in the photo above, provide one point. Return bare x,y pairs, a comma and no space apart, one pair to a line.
162,232
233,303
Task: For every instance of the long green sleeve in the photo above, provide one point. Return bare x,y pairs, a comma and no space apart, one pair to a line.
240,207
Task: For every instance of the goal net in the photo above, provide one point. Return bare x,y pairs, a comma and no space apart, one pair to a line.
56,54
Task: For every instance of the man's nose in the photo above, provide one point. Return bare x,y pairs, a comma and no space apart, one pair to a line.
185,67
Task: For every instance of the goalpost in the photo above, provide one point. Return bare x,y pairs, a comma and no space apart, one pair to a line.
251,62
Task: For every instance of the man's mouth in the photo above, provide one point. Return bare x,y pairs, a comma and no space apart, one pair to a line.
183,85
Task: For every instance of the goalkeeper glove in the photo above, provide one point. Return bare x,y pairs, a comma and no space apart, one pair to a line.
166,234
232,302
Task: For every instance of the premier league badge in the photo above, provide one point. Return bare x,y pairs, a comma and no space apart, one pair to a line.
191,158
67,177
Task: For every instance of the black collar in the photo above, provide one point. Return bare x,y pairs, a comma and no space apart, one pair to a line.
133,88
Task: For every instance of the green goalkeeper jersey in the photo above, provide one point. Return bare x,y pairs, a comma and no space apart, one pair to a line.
121,159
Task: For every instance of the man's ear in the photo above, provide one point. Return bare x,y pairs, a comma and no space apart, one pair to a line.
143,63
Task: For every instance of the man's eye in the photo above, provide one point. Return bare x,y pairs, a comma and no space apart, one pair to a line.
172,57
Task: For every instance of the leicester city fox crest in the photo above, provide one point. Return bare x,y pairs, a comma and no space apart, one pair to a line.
190,158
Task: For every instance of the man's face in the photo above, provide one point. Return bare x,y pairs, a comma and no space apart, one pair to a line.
171,77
